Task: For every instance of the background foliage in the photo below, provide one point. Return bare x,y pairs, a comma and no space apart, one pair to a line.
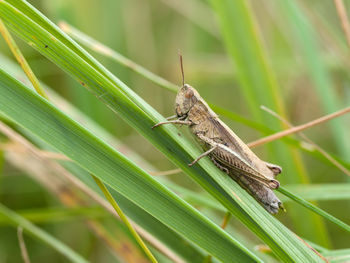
288,56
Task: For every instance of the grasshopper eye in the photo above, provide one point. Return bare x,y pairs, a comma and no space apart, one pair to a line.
189,94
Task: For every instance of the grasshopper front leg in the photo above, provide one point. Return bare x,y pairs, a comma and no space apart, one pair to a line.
178,121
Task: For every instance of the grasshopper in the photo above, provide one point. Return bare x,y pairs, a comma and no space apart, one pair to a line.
226,150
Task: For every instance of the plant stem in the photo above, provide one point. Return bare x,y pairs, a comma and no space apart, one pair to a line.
299,128
124,218
21,60
314,208
104,50
339,4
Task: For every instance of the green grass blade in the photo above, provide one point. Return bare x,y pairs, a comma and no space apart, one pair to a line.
17,220
40,117
21,59
314,208
244,46
259,85
338,256
178,149
317,70
115,56
58,214
124,219
203,200
321,192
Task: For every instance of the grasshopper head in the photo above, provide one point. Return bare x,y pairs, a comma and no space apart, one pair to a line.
185,99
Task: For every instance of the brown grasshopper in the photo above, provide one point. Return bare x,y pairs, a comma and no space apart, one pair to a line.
227,151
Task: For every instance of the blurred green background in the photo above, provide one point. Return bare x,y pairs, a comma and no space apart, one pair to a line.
308,56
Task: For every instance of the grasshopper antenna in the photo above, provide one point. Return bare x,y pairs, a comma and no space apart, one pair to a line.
182,69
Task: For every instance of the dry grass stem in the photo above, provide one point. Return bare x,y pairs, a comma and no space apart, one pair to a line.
309,141
22,245
299,128
339,4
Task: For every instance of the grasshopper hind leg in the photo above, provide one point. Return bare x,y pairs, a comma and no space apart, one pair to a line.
264,195
222,168
274,184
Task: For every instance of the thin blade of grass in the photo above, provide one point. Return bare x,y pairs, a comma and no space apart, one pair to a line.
108,52
125,220
314,208
299,128
321,192
314,192
317,69
306,139
58,214
338,256
197,12
21,59
343,17
22,245
38,233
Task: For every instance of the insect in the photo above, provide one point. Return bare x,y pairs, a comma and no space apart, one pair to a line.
226,150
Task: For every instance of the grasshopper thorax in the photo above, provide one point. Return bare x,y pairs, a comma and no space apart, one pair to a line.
186,98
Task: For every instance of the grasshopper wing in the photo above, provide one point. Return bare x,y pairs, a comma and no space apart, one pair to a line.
233,153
